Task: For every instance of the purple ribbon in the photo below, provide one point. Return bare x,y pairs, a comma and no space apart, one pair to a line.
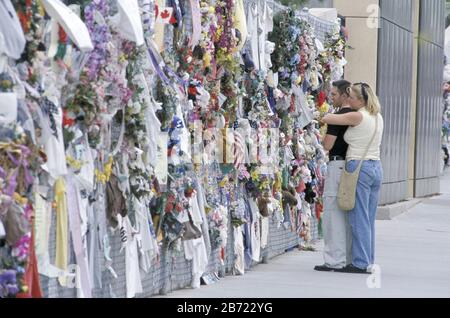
22,162
172,73
158,69
2,173
167,69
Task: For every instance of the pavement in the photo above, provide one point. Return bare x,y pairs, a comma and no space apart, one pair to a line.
412,251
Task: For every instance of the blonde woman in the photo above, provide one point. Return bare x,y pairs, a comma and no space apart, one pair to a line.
364,123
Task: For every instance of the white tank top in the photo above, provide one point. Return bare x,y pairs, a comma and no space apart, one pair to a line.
358,137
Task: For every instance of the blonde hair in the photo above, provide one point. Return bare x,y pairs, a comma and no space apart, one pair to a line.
365,93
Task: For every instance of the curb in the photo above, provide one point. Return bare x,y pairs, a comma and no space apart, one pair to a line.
388,212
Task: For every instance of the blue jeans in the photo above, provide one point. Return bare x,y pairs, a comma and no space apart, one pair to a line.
362,217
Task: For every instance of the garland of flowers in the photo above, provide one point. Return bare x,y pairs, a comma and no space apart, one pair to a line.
257,98
102,89
19,159
295,51
30,15
298,63
227,59
135,127
99,35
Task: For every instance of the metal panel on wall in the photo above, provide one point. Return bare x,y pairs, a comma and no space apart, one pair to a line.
394,86
399,12
429,97
318,4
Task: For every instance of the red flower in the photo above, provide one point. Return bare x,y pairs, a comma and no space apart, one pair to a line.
300,187
319,210
169,208
67,121
192,90
172,20
62,35
322,98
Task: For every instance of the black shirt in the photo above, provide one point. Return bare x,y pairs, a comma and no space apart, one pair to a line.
340,146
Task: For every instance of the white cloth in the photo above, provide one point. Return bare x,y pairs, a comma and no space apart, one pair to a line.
195,250
133,276
8,108
239,261
265,26
70,22
264,231
146,242
358,137
252,22
2,230
201,199
12,39
77,209
54,148
255,231
153,127
195,211
83,153
185,137
42,225
129,21
94,245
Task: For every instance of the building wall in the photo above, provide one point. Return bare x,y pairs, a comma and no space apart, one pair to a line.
394,88
429,97
319,4
402,59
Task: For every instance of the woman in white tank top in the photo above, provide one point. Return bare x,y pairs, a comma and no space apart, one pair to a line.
365,123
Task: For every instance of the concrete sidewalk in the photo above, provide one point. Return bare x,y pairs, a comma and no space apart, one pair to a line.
413,251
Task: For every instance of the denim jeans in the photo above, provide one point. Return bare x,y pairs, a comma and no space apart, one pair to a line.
362,217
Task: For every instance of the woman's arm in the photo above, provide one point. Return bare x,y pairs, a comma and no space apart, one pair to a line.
348,119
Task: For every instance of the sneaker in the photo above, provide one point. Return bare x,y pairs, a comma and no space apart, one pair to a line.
353,270
325,268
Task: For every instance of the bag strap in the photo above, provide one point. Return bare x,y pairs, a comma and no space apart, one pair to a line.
371,140
368,146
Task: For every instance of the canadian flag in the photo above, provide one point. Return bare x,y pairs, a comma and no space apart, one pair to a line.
164,15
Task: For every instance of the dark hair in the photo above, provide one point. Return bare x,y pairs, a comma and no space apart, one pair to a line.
342,86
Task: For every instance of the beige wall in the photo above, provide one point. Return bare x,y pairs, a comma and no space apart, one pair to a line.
362,59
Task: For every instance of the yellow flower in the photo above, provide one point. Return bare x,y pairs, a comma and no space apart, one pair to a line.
264,185
103,177
108,168
277,184
223,182
76,164
122,58
254,175
324,108
20,199
207,59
